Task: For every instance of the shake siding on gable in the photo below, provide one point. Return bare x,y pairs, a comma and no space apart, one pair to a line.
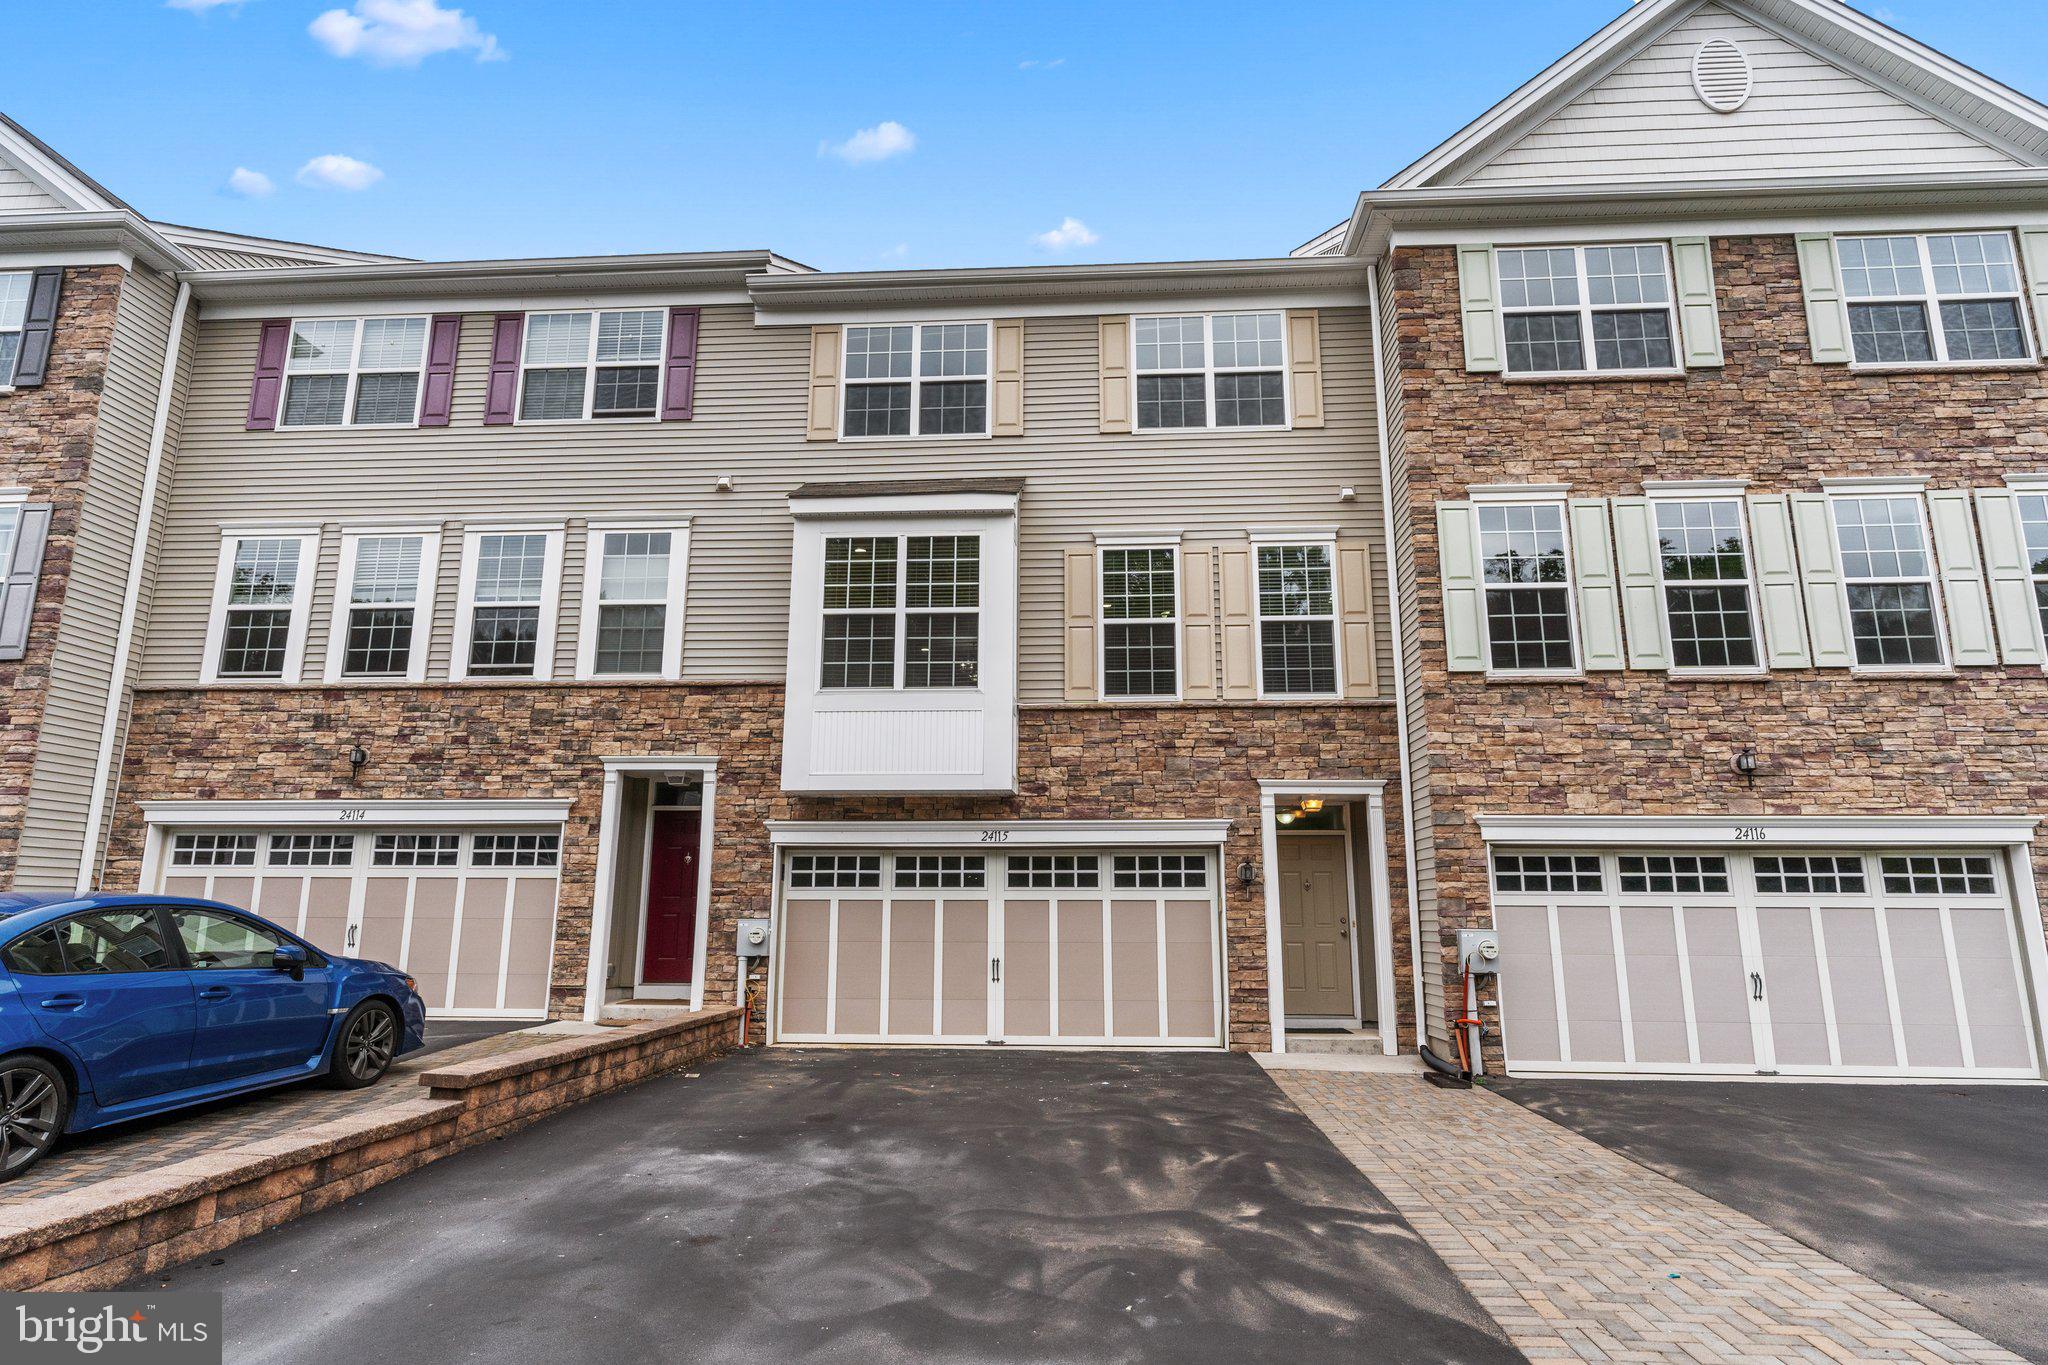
749,423
1805,116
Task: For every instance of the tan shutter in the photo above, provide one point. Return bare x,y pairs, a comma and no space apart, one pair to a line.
1198,622
1361,643
1305,366
824,423
1081,610
1240,625
1113,344
1009,380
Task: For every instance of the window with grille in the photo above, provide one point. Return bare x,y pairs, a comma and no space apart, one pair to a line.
922,590
1810,874
1053,871
1934,300
2033,510
213,850
1704,561
383,607
416,850
1888,574
916,379
636,585
830,871
312,850
1926,874
14,287
591,365
353,372
1528,587
262,604
515,850
1574,872
1159,871
941,870
1211,370
1582,309
1674,873
1297,607
506,594
1140,621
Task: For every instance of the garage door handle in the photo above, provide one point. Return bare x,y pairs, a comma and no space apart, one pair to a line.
1756,985
995,969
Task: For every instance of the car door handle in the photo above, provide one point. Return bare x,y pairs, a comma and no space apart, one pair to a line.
62,1002
214,992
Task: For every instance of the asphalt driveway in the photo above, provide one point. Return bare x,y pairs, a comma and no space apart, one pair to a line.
863,1205
1939,1191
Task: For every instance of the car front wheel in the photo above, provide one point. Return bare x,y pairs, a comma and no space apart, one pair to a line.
363,1053
35,1104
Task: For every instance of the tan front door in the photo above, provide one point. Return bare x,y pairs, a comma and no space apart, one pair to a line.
1315,925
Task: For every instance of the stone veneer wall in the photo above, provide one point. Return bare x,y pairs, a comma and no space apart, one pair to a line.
1648,743
1188,761
46,438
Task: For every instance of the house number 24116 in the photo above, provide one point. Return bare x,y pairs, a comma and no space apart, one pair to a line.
1749,834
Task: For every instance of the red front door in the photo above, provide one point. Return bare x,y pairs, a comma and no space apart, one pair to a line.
671,898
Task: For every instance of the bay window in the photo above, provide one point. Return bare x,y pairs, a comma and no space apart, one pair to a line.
922,590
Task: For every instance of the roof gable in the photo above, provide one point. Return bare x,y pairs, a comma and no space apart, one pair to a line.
1831,93
35,179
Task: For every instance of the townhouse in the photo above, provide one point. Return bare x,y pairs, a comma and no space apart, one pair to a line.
1615,558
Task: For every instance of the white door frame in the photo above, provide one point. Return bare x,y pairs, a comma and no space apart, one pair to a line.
611,814
1374,793
1343,830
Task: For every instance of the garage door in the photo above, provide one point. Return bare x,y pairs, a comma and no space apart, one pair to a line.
1068,948
470,914
1797,964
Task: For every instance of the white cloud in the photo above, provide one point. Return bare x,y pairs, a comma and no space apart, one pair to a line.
202,6
336,172
250,184
1037,65
401,32
895,253
878,143
1071,232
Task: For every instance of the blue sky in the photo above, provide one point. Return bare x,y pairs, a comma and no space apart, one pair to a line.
1165,130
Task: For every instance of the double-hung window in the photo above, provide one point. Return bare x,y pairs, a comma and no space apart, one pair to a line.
258,627
1944,299
633,604
1527,574
2033,510
1587,309
1140,621
902,611
1297,603
14,291
505,623
1215,370
916,379
1888,575
1704,562
385,610
354,372
576,366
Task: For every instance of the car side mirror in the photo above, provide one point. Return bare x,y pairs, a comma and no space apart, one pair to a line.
289,957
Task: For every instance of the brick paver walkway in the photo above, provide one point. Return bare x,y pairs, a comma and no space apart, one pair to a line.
81,1160
1581,1254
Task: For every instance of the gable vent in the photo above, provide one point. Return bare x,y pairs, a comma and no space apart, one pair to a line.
1721,75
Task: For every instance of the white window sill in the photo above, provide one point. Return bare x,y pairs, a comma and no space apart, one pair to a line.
1948,367
1202,431
922,436
1720,674
1536,676
1930,671
1588,376
583,422
347,426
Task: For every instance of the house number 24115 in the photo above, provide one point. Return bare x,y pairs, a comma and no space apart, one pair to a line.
995,836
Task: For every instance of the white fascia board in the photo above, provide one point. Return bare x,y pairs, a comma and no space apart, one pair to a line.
994,835
353,813
534,302
912,505
1144,305
1759,831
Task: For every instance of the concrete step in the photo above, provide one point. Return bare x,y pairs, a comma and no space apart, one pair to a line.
644,1009
1363,1043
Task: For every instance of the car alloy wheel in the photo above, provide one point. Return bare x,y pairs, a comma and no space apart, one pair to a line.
372,1038
29,1105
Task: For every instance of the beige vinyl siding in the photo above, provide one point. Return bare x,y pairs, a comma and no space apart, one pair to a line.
20,194
1805,115
751,399
82,663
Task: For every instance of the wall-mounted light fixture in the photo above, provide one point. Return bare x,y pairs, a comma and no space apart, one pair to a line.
357,757
1247,873
1745,763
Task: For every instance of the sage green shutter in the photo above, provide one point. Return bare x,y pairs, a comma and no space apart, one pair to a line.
1962,578
2034,251
1598,593
1827,324
1699,319
2012,579
1775,570
1820,575
1457,553
1642,594
1479,305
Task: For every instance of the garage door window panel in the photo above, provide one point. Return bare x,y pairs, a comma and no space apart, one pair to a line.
1888,576
1703,558
1526,568
1934,300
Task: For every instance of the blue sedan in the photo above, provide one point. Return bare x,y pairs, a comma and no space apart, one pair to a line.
118,1007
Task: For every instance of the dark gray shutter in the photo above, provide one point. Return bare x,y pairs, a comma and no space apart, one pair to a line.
38,328
24,571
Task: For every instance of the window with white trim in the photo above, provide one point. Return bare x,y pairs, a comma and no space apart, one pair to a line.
605,365
1140,621
353,372
633,619
213,850
1210,370
14,291
1547,872
1888,575
1703,560
2033,510
1053,871
1935,299
1810,874
1588,309
922,591
515,850
1929,874
506,605
10,522
416,850
1526,568
260,606
916,379
917,871
1159,871
1297,607
834,871
312,850
382,633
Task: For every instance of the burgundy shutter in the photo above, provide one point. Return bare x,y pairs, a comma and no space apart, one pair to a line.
38,327
443,336
681,389
501,399
268,385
